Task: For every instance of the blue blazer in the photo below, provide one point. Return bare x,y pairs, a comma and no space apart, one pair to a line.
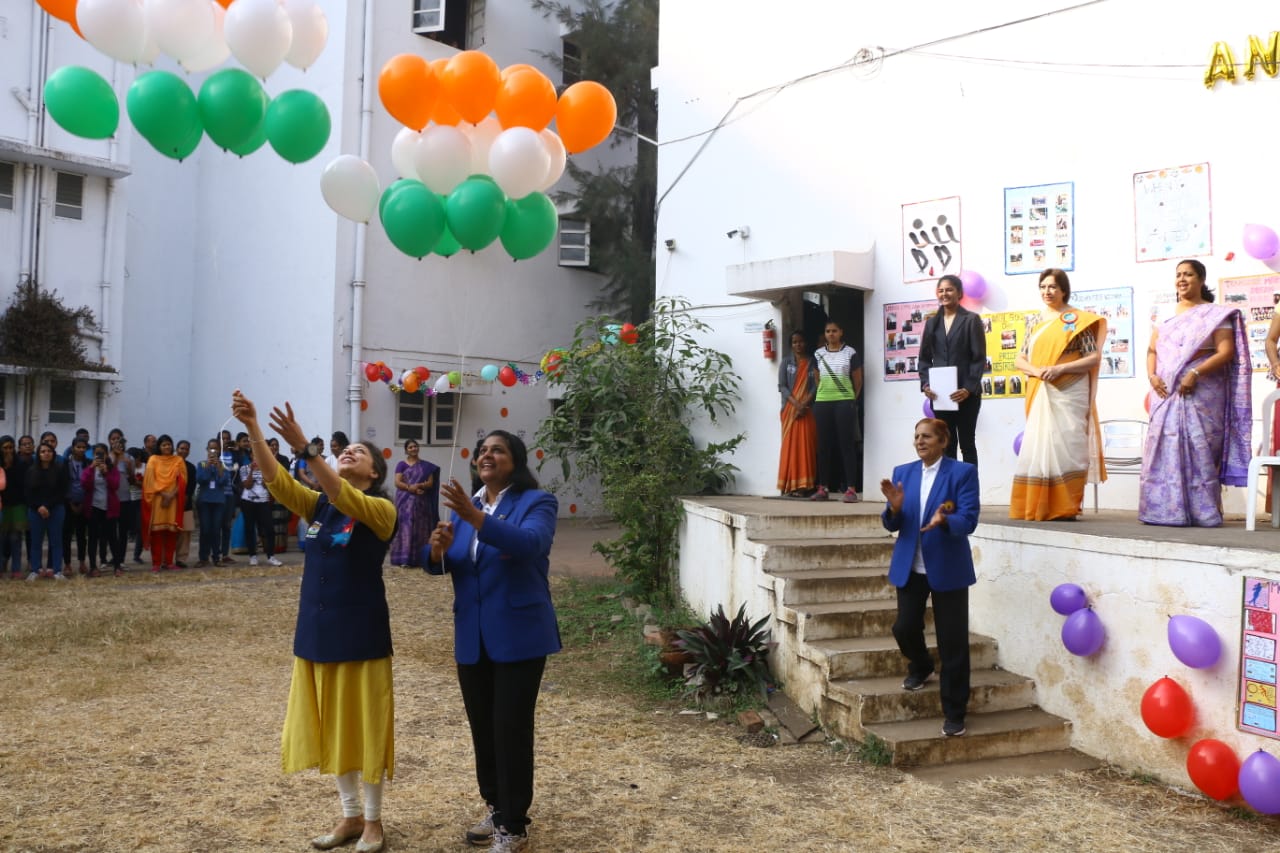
948,560
503,597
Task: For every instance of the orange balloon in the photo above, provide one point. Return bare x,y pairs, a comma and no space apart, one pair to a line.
225,3
408,89
513,69
411,382
443,111
526,99
470,82
63,10
585,116
386,453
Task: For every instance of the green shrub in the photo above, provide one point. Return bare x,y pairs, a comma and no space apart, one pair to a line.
729,658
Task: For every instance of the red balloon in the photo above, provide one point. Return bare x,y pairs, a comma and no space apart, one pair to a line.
423,373
507,376
1167,709
1214,768
371,372
628,334
386,374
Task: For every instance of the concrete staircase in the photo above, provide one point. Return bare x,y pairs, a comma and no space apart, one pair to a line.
835,611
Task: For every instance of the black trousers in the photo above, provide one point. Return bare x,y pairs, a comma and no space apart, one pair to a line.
103,536
500,699
951,621
964,427
257,521
839,445
130,518
75,526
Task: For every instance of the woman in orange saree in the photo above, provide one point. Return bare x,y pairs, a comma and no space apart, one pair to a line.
163,489
797,383
1062,444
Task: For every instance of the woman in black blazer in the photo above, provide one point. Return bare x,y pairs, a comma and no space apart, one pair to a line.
954,337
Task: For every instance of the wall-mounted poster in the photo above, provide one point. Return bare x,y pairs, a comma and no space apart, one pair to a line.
1006,333
1256,297
1258,635
1039,228
930,239
1116,305
903,326
1172,213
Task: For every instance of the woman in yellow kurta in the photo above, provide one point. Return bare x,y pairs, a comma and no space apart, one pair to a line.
163,491
1062,444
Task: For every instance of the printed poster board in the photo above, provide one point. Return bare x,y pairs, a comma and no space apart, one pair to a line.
1257,697
1256,297
931,239
1006,333
1172,213
1039,228
903,327
1119,349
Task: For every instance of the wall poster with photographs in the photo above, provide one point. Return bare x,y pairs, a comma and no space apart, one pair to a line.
1172,213
1115,304
930,239
1258,635
1006,333
903,327
1039,228
1256,297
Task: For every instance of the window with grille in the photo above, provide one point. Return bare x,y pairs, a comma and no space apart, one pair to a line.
68,202
62,401
7,173
575,243
426,420
571,62
428,16
457,23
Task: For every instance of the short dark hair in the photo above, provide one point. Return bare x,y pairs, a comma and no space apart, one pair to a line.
1059,278
341,438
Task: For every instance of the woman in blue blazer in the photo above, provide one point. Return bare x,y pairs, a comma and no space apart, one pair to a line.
933,506
496,547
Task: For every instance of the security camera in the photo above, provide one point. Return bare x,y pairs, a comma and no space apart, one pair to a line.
670,244
742,232
731,234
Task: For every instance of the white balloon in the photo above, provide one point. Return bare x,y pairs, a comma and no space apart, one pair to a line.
481,136
215,51
442,384
151,50
259,33
403,149
310,32
117,28
519,161
350,186
443,157
557,155
181,27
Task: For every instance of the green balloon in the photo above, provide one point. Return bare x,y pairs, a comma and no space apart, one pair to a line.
412,216
476,209
81,102
255,142
163,109
447,246
233,105
298,125
530,226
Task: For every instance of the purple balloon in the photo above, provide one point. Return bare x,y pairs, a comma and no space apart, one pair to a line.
1083,633
1261,242
928,409
1194,642
1067,598
1260,782
975,286
1017,444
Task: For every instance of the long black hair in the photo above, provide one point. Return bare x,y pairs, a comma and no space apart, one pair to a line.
521,478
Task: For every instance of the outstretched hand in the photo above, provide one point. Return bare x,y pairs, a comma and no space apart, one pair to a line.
243,409
893,493
939,517
286,426
456,498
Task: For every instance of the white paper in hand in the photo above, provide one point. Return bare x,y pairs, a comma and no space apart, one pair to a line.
944,382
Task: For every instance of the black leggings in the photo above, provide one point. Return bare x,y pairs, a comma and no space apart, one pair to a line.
839,445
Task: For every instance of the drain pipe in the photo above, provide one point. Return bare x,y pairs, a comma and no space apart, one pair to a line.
30,101
354,389
108,258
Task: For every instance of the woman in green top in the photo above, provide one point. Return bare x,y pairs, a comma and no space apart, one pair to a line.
835,410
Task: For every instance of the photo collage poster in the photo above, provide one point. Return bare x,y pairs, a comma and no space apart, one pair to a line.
1115,304
1006,333
903,327
1172,213
1039,228
1257,699
931,239
1256,297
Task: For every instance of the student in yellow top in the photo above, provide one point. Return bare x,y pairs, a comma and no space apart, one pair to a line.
835,410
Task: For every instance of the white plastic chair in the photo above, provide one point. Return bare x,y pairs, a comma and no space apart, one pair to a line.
1257,463
1122,444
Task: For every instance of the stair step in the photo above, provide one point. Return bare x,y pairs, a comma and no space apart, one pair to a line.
882,700
1013,766
831,553
802,520
997,734
872,617
812,586
874,657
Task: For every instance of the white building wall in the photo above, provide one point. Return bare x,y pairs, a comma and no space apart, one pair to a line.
826,163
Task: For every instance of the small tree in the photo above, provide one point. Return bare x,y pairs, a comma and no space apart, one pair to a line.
625,419
38,331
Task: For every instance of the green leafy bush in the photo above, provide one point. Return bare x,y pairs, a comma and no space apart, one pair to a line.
729,658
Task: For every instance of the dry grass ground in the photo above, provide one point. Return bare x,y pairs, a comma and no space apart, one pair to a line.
143,714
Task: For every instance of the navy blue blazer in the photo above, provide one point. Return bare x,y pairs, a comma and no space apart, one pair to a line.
948,560
503,596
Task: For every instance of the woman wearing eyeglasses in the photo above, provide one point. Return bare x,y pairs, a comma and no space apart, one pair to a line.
1062,444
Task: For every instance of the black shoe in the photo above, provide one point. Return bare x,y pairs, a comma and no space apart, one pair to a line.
915,682
953,728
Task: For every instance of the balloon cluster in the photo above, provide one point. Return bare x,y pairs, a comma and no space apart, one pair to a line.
1082,633
232,107
474,155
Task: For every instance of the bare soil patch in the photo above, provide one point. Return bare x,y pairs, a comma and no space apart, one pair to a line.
143,714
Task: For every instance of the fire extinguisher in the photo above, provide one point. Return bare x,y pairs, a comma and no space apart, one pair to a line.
770,335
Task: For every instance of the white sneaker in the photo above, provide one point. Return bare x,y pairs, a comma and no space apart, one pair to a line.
273,561
253,561
59,576
33,576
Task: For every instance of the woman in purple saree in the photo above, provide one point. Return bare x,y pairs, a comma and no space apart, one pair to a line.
417,506
1201,414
